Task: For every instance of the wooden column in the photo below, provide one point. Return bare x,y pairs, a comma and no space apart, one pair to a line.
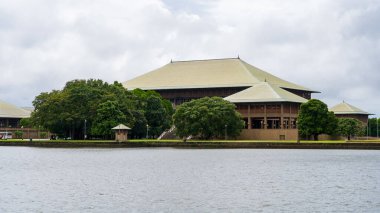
265,117
282,116
249,116
290,116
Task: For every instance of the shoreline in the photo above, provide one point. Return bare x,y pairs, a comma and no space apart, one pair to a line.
197,145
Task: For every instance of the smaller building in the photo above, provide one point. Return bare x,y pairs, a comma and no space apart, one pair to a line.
121,133
10,115
269,112
345,110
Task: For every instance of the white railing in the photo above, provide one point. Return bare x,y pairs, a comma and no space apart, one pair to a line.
166,132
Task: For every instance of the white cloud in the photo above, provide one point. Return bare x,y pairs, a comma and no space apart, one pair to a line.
330,46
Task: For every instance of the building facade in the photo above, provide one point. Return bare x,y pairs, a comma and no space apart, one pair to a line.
269,105
10,117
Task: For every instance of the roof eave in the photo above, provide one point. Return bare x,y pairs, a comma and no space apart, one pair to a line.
262,101
305,89
188,87
14,116
352,113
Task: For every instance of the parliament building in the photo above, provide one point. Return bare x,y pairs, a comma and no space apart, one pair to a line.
269,105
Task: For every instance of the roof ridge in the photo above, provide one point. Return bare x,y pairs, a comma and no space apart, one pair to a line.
211,59
354,108
247,70
271,88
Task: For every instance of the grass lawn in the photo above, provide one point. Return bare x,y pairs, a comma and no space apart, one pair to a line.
197,141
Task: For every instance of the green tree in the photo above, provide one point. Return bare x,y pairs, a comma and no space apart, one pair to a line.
331,124
26,122
139,128
315,119
65,111
156,116
157,113
373,124
207,118
19,134
108,115
350,127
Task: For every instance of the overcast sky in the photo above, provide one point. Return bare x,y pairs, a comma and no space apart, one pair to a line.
329,46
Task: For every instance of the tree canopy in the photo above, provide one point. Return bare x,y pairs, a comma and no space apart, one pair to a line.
153,111
207,118
108,115
100,104
315,119
373,127
350,127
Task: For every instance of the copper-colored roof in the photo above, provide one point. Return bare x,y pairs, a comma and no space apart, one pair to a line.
264,92
232,72
345,108
10,111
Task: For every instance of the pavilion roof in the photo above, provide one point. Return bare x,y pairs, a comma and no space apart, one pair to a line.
121,127
345,108
264,92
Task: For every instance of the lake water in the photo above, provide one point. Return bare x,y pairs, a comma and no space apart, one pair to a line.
188,180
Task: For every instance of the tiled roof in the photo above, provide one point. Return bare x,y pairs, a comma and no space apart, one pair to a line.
10,111
345,108
232,72
264,92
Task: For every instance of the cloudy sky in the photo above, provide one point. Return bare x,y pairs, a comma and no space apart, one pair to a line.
329,46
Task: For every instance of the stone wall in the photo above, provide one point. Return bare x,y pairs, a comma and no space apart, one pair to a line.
268,134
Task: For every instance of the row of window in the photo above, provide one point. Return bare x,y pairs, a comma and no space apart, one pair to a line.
4,123
272,123
270,108
192,93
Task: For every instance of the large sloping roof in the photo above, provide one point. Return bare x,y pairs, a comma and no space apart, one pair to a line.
232,72
264,92
10,111
345,108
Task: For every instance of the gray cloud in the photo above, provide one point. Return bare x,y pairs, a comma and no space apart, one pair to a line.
330,46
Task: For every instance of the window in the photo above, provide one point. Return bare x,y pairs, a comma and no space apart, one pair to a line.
245,123
257,123
273,123
293,123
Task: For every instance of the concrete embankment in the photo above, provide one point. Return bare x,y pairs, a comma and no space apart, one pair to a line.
200,145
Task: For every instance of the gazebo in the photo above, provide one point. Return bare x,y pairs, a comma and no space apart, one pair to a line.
121,133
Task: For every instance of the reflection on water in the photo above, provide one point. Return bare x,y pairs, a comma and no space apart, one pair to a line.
188,180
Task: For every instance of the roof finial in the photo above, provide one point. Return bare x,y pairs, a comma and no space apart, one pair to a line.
238,56
171,60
